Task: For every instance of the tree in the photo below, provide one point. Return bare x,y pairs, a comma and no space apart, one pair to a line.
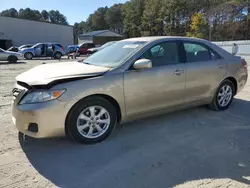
30,14
114,18
58,18
152,20
98,21
132,14
10,13
45,15
198,26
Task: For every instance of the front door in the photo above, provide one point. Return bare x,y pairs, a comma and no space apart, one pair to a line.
38,50
159,87
205,70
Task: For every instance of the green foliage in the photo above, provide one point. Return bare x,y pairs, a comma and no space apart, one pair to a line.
152,20
57,17
45,15
29,14
114,18
98,21
132,13
10,13
229,19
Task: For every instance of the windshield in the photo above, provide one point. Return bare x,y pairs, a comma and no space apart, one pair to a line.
35,45
107,44
25,46
114,55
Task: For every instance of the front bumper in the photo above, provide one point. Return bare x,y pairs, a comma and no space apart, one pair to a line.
48,116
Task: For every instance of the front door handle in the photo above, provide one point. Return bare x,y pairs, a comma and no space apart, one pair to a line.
178,72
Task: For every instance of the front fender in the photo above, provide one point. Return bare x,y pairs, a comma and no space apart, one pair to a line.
109,85
30,51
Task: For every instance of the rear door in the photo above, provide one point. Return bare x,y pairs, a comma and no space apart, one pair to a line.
204,71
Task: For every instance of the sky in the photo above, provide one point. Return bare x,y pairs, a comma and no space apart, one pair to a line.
74,10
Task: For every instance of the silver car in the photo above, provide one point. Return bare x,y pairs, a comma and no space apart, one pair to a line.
11,57
54,50
86,100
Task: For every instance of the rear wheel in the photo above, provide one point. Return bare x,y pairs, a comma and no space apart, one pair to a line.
28,55
91,120
12,59
57,55
224,96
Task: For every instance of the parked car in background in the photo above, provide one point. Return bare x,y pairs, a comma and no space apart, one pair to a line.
93,50
25,46
13,49
11,57
53,50
72,49
83,48
134,77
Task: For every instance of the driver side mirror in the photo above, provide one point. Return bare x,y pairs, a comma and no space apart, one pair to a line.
143,64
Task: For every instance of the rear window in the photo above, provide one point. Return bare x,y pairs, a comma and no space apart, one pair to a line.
59,45
91,45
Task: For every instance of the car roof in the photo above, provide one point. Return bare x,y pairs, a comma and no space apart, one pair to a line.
155,38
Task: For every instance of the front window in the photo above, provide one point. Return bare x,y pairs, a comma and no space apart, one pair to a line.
114,55
162,54
37,46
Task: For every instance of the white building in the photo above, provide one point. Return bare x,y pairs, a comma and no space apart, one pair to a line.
16,32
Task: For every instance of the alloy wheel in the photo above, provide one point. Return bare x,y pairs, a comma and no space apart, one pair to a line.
93,122
225,95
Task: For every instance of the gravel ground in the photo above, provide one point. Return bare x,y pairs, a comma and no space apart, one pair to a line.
191,148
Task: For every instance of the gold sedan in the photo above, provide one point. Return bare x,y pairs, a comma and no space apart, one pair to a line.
131,78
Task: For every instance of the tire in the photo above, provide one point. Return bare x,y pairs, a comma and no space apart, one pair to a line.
57,55
220,97
28,55
91,127
12,59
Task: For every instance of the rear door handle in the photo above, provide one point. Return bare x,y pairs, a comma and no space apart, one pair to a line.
178,72
220,65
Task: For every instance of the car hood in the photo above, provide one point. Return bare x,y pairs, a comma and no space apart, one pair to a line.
13,53
47,73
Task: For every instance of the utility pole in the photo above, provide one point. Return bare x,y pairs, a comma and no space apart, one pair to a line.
248,20
210,22
210,32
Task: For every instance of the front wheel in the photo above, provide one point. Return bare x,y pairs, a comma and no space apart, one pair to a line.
91,120
12,59
224,96
28,55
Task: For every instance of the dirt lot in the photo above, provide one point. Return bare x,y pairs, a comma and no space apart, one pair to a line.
192,148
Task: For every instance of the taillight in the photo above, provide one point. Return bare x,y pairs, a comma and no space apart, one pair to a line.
244,63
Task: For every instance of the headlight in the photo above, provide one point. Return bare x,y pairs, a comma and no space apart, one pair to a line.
41,96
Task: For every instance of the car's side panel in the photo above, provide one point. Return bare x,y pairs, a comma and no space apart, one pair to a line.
203,77
154,88
3,56
110,85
